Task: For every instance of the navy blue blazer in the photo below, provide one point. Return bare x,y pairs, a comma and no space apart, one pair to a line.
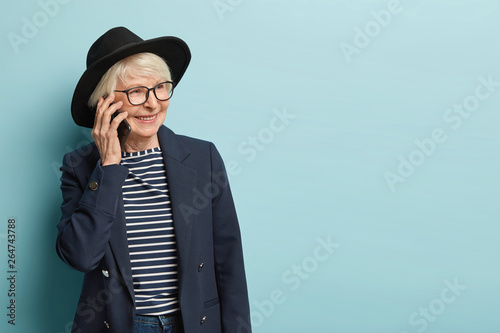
92,239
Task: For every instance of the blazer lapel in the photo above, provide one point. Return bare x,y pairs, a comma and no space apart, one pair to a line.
181,182
119,246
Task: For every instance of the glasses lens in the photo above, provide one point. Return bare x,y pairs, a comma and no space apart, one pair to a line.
137,95
164,91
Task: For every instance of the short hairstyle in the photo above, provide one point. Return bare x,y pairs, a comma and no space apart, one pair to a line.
140,64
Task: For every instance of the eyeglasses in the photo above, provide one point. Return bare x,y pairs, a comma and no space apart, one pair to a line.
139,95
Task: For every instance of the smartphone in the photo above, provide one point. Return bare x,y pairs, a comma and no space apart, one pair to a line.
123,129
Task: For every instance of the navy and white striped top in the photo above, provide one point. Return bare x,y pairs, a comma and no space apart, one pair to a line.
150,233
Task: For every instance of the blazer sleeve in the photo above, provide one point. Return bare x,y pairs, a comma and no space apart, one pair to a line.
88,212
229,266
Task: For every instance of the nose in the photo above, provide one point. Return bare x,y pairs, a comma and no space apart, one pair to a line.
151,101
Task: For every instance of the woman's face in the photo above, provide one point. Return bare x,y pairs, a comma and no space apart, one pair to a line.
144,119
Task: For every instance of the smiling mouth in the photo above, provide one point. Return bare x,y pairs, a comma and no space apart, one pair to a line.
147,118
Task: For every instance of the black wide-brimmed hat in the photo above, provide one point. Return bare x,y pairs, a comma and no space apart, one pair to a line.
115,45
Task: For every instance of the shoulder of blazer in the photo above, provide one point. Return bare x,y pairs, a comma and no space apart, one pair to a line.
83,158
179,147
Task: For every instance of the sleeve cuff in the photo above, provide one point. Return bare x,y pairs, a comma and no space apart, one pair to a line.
104,187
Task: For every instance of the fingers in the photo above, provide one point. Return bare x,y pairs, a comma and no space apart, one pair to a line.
105,108
105,132
117,120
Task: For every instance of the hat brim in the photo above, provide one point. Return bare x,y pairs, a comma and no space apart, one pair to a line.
172,49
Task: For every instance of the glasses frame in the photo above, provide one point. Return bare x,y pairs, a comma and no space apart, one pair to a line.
126,91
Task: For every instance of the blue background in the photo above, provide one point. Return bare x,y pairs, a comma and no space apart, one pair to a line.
318,177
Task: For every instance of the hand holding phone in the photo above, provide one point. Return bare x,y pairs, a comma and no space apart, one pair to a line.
110,148
124,130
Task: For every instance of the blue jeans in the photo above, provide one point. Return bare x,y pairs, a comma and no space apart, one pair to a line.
158,324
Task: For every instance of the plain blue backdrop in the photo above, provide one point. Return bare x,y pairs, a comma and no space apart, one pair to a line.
361,138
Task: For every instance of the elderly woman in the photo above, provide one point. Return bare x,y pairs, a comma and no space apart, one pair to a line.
147,215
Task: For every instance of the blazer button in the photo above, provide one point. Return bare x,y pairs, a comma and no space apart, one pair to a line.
106,323
200,267
93,185
203,320
105,273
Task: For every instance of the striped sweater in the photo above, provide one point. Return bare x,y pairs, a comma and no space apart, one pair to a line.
150,233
